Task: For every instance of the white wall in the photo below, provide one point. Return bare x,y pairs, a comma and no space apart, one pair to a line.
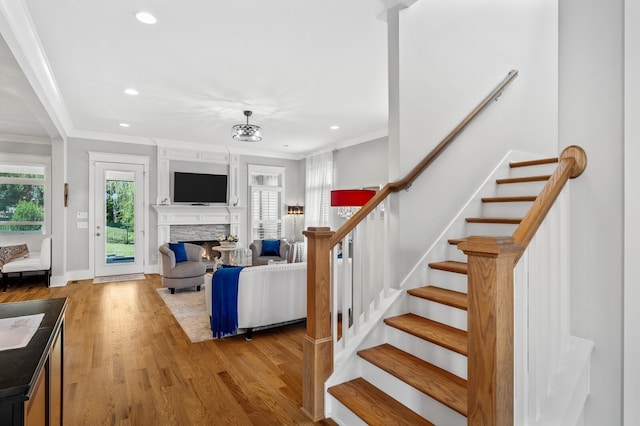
294,189
452,54
631,213
78,179
591,115
359,166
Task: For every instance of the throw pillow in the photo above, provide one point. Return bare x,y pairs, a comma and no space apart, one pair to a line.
179,250
270,248
9,253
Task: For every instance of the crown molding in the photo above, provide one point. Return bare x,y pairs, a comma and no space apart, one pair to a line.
110,137
173,143
241,150
39,140
367,137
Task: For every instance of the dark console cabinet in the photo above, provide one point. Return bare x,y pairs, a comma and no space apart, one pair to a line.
31,378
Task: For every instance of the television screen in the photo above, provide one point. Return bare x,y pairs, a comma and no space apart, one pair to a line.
199,188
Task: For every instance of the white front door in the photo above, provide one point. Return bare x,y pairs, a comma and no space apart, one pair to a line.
118,219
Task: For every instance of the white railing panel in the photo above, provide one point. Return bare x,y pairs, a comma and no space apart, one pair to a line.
541,314
360,278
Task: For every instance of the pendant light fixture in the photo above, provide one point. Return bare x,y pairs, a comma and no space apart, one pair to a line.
247,132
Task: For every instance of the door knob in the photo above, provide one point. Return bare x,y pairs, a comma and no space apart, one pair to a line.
97,234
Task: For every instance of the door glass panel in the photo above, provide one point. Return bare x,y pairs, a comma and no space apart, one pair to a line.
120,217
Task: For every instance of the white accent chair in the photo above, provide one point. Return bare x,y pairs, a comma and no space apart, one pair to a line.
34,262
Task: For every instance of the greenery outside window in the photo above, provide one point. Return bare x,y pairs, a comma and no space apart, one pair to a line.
24,194
266,202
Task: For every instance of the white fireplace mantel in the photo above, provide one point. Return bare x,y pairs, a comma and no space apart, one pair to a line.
177,214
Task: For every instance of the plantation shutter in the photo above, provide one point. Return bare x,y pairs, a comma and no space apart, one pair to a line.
266,214
266,202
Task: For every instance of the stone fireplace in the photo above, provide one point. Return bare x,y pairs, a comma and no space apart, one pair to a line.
208,232
202,235
198,224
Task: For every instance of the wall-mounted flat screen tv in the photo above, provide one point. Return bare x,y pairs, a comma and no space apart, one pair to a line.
199,188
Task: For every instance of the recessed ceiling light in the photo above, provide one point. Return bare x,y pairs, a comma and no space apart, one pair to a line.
131,91
146,18
125,125
334,127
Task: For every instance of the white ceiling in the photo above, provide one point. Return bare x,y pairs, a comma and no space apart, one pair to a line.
299,65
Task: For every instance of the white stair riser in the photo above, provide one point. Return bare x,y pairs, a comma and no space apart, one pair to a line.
422,404
491,229
522,188
435,311
537,170
448,280
430,352
511,209
455,254
342,415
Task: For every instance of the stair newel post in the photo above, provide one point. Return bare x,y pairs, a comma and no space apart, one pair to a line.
491,261
318,342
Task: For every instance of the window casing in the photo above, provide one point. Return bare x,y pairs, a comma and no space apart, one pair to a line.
24,194
266,202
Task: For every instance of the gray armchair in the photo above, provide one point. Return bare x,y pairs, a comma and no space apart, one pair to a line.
189,273
258,259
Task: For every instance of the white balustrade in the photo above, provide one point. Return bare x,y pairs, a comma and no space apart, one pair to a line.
541,314
360,278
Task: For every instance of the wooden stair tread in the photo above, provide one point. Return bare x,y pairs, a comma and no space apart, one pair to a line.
441,334
516,164
515,199
450,266
506,220
452,298
456,241
374,406
523,179
439,384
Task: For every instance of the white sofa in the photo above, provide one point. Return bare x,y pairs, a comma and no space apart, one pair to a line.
34,262
268,295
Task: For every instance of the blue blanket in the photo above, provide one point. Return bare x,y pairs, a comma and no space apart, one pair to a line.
224,301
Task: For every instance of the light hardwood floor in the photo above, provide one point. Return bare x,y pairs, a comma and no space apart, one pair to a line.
128,362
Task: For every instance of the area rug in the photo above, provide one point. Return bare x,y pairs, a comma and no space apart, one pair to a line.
118,278
188,306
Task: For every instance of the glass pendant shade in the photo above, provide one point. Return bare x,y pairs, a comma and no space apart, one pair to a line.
247,132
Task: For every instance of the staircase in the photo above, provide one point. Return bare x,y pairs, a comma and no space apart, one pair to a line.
418,376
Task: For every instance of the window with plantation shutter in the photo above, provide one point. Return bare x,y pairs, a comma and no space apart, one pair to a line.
266,188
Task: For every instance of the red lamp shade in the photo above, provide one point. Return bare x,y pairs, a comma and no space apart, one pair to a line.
351,197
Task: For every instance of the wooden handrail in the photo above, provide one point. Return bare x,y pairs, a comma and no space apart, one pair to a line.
406,182
571,164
